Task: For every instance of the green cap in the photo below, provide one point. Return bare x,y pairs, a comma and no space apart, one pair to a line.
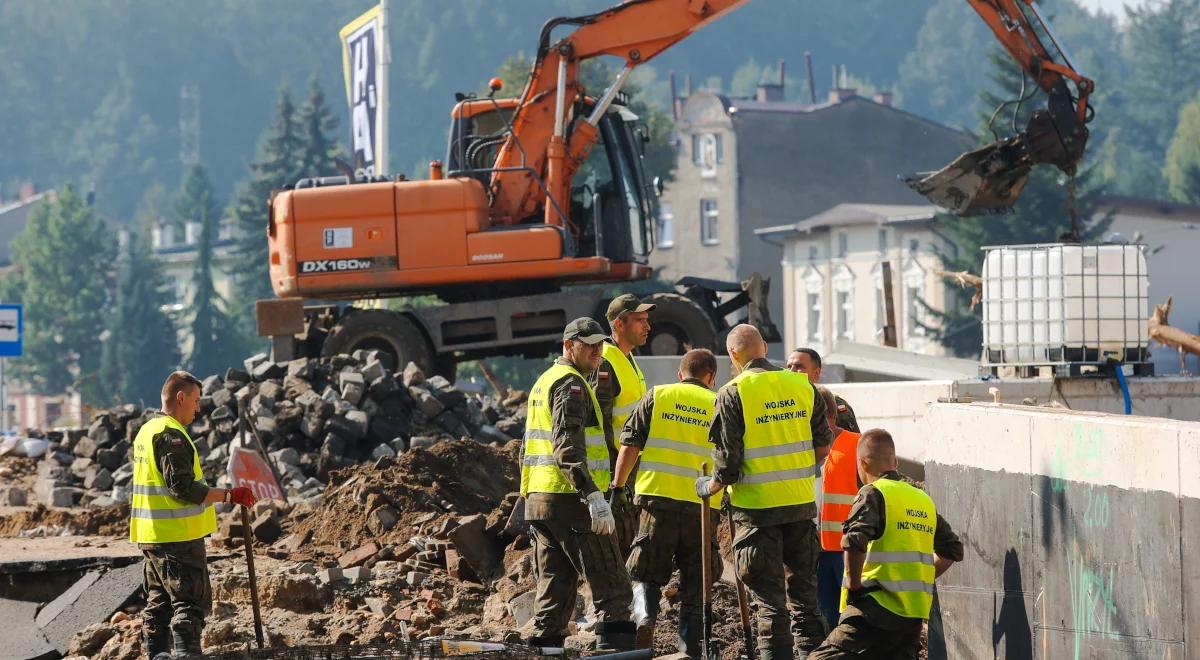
626,302
585,330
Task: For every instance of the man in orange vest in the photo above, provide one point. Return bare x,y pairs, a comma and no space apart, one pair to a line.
839,487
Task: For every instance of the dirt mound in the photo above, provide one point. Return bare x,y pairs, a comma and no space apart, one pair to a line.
454,477
109,521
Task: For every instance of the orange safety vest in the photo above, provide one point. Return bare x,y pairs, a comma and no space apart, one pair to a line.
840,478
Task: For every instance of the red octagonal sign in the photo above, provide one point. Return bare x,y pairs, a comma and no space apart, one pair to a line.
247,468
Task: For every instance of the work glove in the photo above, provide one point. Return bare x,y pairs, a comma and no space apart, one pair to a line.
242,495
702,487
602,517
618,498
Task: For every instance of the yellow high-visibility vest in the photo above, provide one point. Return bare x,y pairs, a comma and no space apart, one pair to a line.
677,443
539,471
779,465
899,565
633,385
156,516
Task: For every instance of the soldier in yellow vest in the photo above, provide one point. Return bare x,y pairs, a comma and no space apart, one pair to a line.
896,544
669,429
770,434
620,386
170,514
565,473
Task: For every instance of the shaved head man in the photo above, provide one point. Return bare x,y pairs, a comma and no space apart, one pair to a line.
896,544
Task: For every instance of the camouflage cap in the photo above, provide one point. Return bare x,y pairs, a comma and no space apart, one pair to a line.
585,330
626,302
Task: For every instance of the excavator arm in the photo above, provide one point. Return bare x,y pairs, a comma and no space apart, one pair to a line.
989,179
635,31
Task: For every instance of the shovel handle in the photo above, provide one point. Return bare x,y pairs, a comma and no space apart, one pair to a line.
258,632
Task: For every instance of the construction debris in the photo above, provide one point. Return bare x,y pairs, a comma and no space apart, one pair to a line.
313,416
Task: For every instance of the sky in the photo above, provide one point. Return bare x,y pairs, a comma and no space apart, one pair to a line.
1114,7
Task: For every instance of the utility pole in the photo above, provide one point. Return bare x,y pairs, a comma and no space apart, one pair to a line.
385,63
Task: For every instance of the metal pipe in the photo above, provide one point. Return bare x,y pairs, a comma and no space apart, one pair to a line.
560,97
609,95
812,82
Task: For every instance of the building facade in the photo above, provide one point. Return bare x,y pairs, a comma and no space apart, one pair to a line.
833,275
745,164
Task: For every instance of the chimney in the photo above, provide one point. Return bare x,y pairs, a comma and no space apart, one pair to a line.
812,82
884,98
771,92
840,92
674,96
28,190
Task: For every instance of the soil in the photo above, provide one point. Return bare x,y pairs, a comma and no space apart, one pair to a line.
107,521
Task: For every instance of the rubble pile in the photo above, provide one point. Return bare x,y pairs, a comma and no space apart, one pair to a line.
312,415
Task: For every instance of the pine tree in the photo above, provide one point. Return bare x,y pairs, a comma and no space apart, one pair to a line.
215,344
281,157
1183,156
1039,216
63,259
141,345
318,126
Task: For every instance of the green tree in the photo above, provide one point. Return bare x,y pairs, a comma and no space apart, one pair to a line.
596,75
63,258
141,344
281,155
1041,215
318,125
215,341
1183,156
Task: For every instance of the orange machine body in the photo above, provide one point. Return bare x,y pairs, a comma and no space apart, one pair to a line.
409,236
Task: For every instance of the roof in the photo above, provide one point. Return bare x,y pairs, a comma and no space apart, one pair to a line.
856,214
794,164
13,217
1165,209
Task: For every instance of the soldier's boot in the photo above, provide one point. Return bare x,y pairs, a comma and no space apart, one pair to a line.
780,652
691,633
616,635
157,645
186,643
552,641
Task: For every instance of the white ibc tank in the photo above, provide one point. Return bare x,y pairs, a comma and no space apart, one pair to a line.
1057,303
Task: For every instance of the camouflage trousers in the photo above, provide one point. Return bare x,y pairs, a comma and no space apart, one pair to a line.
178,596
668,539
778,565
562,556
855,637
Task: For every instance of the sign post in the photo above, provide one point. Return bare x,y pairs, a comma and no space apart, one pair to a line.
12,333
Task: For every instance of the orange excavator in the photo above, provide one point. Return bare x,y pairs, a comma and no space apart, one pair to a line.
544,194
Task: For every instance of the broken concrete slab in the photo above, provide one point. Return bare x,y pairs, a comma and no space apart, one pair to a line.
267,528
93,598
23,640
357,574
474,546
331,575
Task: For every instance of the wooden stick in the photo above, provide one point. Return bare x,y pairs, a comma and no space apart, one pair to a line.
258,632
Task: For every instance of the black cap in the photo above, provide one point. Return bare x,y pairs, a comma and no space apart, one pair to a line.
626,302
585,330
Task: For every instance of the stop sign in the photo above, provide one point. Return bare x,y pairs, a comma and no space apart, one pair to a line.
247,468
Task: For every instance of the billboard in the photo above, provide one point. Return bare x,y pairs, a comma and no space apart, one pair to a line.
362,58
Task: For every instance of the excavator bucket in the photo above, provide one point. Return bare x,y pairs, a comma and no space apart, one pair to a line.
980,182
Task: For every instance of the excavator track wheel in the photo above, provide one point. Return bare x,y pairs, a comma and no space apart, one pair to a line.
677,325
382,330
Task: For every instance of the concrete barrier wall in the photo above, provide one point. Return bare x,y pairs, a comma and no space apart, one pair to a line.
1081,531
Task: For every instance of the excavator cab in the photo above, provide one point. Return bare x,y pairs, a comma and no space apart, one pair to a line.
610,204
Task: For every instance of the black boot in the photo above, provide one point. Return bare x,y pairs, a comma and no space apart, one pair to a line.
157,646
186,643
690,633
616,635
552,641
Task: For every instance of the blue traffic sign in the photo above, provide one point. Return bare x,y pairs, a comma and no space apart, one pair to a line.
12,331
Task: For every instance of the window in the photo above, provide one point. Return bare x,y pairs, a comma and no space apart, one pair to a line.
843,287
708,222
814,252
883,240
813,286
913,244
880,300
666,226
53,412
843,245
914,292
707,152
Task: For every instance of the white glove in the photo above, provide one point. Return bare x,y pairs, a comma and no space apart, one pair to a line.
602,517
